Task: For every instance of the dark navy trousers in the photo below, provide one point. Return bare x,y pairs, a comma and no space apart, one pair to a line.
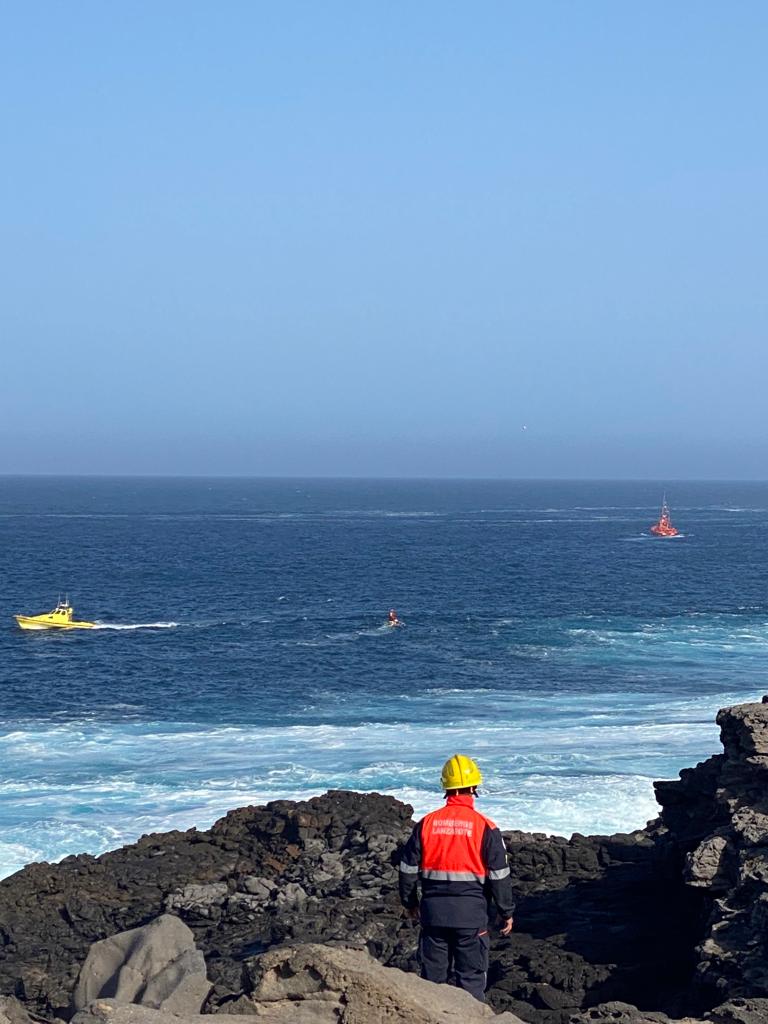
461,951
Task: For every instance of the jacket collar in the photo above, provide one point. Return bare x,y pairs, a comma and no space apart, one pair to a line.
460,800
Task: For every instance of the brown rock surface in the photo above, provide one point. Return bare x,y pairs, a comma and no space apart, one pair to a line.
350,986
14,1012
323,985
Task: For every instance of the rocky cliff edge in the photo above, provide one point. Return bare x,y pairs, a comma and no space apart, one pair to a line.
670,919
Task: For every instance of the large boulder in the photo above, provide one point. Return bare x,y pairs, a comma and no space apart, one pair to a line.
349,985
740,1011
14,1012
156,966
312,984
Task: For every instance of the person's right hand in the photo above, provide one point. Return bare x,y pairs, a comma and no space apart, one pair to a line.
508,924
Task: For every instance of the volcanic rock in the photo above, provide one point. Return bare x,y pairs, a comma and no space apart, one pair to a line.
350,986
617,1012
671,919
597,917
740,1011
14,1012
728,863
289,985
156,966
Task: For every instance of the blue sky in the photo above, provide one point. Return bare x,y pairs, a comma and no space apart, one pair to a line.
384,238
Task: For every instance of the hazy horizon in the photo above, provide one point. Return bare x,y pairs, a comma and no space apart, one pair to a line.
383,479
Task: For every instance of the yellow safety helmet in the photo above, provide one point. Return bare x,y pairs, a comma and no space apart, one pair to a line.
459,772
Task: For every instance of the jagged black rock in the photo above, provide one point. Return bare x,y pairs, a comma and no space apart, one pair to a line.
669,918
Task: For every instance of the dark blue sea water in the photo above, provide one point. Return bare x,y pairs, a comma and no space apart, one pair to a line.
244,654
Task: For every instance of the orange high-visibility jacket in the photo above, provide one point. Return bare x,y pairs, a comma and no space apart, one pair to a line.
460,859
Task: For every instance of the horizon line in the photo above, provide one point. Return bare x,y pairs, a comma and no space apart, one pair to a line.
387,477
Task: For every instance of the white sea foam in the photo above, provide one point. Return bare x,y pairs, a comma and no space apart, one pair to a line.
102,816
599,805
135,625
13,857
575,763
383,513
571,762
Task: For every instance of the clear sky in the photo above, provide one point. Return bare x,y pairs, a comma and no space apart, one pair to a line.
384,238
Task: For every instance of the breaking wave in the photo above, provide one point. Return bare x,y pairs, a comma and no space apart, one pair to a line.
586,766
576,667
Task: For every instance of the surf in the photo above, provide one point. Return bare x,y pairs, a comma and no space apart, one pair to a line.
134,625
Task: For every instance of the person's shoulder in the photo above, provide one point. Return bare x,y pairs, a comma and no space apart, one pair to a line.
488,822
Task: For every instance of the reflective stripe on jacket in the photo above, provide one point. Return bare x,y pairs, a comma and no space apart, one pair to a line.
459,856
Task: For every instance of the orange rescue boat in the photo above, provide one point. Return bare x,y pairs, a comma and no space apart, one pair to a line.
664,528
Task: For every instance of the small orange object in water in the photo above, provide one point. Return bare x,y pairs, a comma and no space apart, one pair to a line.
664,527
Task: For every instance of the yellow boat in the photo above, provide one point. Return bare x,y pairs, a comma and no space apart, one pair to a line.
62,617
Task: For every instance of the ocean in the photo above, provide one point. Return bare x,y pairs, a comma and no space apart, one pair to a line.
243,655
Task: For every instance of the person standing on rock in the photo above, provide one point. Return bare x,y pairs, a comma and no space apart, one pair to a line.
460,858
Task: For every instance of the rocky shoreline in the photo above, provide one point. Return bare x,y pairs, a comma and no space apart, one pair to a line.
669,920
